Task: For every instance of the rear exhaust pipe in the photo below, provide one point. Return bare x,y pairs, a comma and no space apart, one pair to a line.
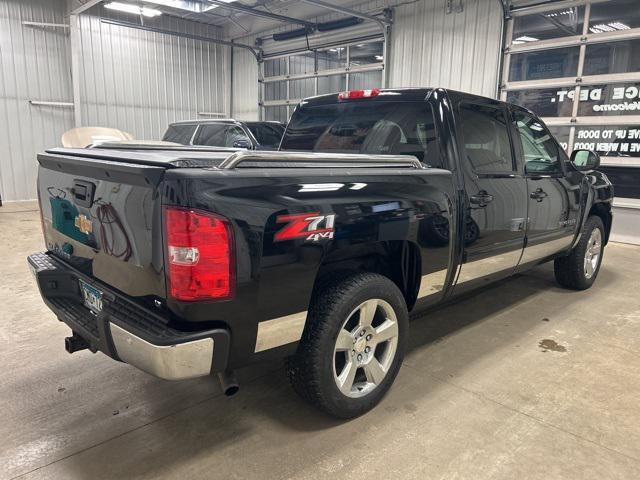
229,382
75,343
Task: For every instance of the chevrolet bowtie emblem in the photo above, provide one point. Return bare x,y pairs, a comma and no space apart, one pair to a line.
83,224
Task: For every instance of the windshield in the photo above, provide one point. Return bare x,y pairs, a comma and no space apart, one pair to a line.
267,134
392,128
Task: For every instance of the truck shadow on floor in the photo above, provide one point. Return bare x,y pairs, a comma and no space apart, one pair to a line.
218,429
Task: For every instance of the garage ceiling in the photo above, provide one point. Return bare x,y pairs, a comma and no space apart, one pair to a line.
238,17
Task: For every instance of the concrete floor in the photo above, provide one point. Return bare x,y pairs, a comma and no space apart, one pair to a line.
523,380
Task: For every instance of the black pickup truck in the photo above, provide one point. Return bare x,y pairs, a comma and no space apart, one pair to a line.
187,263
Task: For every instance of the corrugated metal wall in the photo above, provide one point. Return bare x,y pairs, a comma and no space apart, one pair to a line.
428,48
140,81
457,50
34,65
245,82
130,79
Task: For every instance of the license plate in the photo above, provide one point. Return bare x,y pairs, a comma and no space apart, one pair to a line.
92,297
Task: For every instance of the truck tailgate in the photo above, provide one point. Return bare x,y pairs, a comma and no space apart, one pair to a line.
103,216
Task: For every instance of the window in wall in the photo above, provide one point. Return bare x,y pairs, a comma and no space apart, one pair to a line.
550,63
486,138
302,63
609,141
610,100
541,152
303,88
275,67
332,84
332,58
614,57
275,90
614,15
325,70
548,102
365,54
611,51
365,80
560,23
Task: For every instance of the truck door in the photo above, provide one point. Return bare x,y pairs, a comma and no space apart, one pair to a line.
554,198
496,194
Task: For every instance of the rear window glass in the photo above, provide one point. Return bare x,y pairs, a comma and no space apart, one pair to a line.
179,134
267,135
379,128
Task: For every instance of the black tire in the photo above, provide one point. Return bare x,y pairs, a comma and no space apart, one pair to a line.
312,370
570,270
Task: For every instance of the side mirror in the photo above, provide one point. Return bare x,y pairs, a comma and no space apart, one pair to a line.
242,143
585,160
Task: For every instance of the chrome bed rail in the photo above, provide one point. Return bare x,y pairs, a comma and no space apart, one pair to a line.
317,160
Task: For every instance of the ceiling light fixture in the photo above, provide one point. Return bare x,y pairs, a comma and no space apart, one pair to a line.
609,27
135,9
524,39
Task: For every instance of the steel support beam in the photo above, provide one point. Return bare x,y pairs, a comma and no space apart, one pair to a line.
180,34
85,6
74,23
348,11
260,13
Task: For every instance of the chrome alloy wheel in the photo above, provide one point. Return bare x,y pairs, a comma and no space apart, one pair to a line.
365,348
592,253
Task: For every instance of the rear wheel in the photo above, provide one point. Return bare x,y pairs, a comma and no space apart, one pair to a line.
579,269
353,345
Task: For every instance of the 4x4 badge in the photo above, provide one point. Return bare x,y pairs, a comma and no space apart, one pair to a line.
312,227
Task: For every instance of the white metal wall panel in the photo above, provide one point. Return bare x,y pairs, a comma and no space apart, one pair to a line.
245,82
458,50
34,65
139,81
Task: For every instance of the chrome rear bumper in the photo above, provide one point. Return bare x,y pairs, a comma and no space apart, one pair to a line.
127,331
171,362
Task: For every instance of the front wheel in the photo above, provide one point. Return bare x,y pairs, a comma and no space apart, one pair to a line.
579,269
353,345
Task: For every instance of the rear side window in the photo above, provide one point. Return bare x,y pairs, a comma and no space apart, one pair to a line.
179,134
379,128
486,138
266,135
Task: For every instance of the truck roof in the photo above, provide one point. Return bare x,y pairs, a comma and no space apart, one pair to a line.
410,94
221,120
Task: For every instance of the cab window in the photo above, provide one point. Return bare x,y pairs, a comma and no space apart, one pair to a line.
179,133
541,152
486,138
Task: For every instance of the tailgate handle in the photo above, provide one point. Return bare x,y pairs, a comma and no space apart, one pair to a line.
83,193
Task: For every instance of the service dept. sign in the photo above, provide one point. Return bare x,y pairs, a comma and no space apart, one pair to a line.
603,99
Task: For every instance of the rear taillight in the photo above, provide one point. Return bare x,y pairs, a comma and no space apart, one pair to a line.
200,263
354,94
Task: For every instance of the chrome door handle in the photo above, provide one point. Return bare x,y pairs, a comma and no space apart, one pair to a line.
482,198
538,195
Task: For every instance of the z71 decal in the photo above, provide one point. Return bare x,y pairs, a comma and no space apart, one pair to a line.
313,227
